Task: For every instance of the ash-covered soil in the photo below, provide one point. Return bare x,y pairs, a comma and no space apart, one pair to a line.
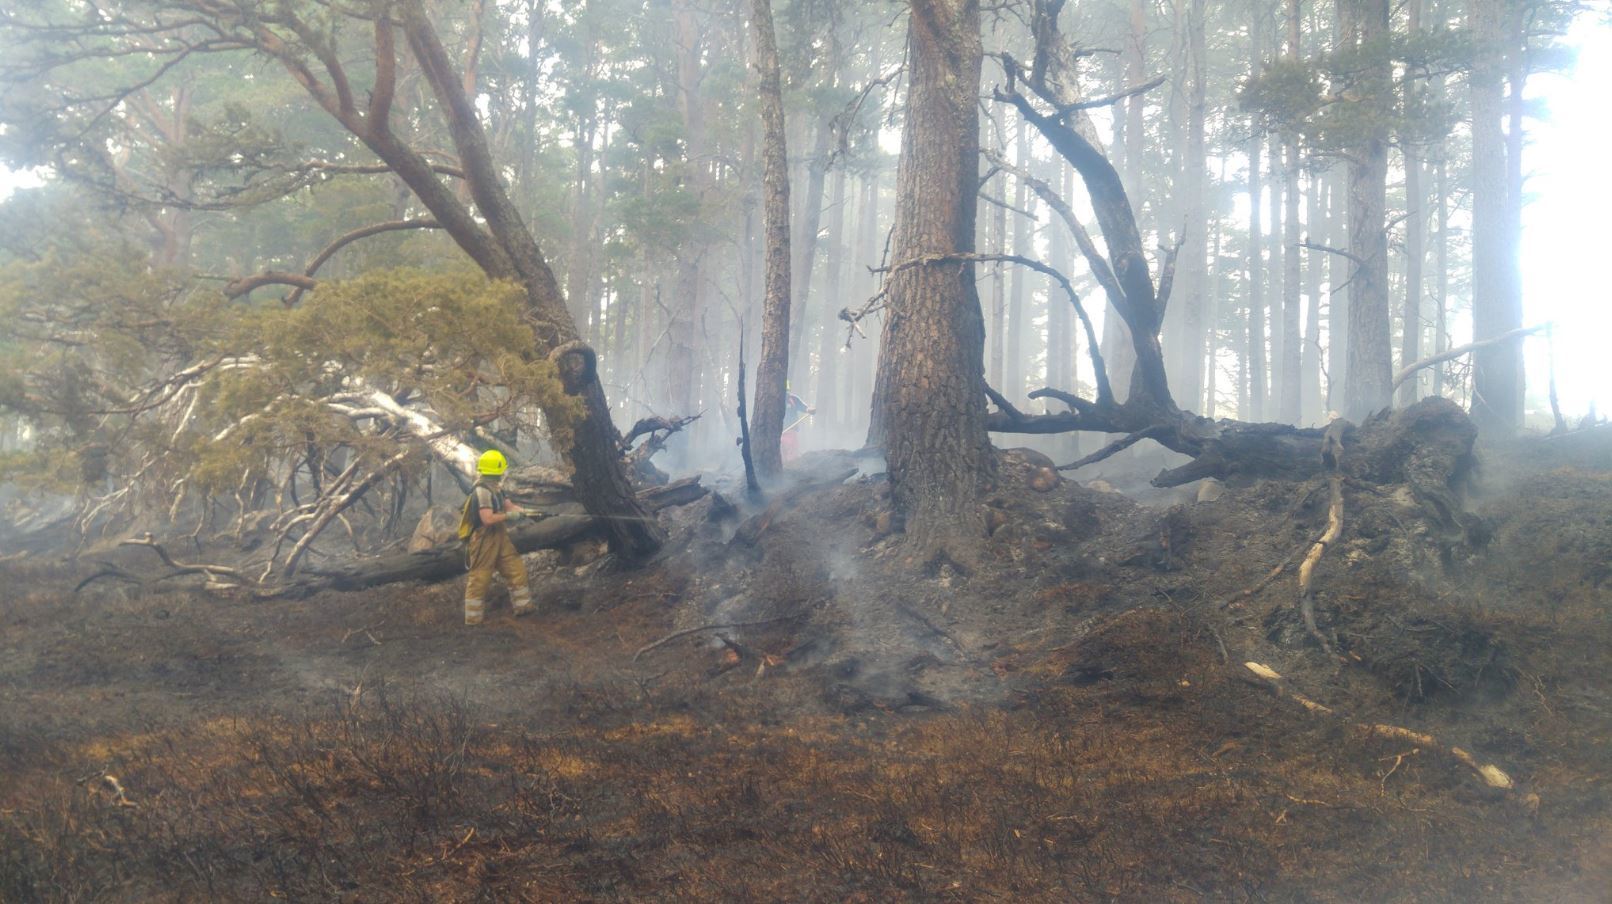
1063,717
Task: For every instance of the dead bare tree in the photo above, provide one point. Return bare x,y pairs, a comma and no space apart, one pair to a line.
1221,448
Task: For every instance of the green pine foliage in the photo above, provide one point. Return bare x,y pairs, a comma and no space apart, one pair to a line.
1333,100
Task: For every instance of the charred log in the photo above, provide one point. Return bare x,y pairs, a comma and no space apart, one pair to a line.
440,564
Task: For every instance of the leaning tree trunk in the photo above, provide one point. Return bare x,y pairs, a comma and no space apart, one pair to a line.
773,371
931,369
505,249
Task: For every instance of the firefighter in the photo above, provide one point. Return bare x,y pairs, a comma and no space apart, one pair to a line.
796,411
483,524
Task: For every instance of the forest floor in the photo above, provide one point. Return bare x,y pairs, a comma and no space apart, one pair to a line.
1063,720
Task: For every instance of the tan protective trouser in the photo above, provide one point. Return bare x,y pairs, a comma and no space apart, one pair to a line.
490,551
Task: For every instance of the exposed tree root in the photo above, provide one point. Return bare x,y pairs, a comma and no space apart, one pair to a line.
1253,589
1266,677
1307,567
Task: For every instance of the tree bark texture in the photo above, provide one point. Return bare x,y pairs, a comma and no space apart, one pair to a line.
931,369
772,372
1370,355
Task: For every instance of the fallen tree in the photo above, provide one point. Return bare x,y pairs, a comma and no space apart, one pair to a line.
440,563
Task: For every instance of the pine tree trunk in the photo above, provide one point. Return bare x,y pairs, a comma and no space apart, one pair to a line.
830,338
1191,268
1276,271
1311,394
579,265
1290,390
1211,313
1337,293
1254,347
997,242
872,242
1058,310
931,370
1118,350
504,249
1015,326
1497,374
810,218
1059,257
772,370
1442,279
683,361
1370,354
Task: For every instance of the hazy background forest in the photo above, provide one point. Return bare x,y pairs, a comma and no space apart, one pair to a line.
1065,450
155,194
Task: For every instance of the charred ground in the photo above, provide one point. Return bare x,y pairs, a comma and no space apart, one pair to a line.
1062,720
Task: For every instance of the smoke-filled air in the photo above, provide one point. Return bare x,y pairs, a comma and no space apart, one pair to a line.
805,450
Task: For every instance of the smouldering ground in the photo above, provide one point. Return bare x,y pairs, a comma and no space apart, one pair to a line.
367,747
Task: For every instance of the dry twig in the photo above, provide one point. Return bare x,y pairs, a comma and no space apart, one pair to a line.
722,627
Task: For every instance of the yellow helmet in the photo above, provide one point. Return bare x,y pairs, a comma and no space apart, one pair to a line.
492,463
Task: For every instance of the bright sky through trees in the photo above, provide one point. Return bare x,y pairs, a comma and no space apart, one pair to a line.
1564,245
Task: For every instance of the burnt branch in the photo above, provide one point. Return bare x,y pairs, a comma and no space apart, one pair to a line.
1114,448
1108,101
1406,372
